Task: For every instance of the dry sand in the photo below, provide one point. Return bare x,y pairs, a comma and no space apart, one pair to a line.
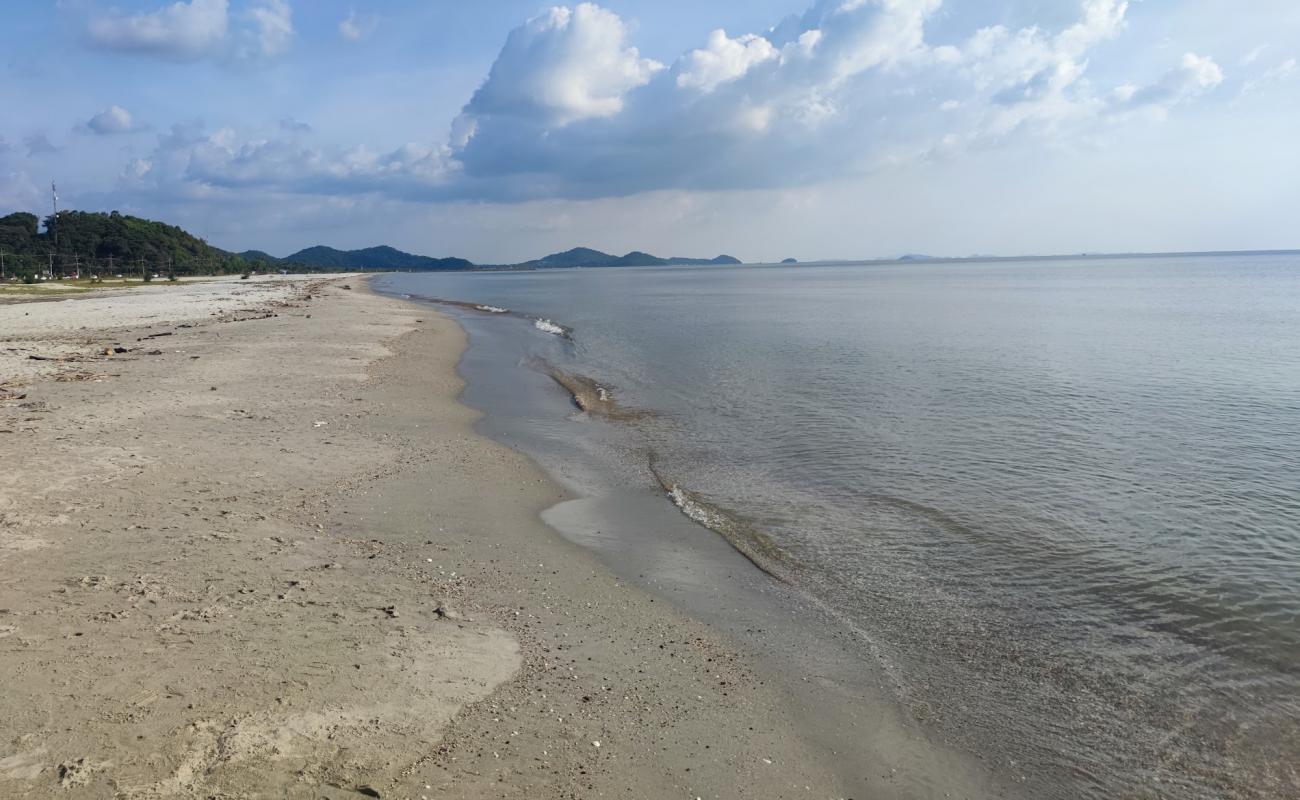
265,555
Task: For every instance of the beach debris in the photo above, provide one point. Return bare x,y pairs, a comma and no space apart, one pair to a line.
391,611
367,791
346,286
320,423
595,744
445,611
75,773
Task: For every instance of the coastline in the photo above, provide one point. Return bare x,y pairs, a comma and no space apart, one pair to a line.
276,558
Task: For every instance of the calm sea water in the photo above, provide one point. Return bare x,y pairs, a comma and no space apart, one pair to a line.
1060,498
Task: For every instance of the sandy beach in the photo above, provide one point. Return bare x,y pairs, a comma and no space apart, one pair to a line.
251,547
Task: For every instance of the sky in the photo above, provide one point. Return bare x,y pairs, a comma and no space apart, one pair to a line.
501,130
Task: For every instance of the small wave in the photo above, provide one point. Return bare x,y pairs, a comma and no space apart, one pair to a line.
754,545
479,307
546,326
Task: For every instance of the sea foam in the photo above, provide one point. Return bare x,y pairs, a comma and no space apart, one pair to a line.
546,326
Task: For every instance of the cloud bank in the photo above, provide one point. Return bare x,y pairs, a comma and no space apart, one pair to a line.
189,31
572,109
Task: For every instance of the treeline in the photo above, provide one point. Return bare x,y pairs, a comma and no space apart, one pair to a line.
85,244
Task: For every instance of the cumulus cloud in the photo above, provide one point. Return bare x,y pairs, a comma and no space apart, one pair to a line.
845,86
269,31
570,108
111,120
181,30
188,31
563,66
190,160
723,60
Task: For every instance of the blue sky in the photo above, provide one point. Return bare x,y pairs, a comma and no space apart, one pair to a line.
765,128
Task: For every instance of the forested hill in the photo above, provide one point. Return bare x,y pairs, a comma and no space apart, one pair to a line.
110,239
372,258
108,243
98,243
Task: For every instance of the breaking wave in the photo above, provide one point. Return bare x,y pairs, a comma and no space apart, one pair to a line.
751,543
546,326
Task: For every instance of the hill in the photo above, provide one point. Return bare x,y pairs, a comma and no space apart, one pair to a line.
107,242
382,257
587,257
255,256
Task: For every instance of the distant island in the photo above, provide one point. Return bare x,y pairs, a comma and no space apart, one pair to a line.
789,261
586,257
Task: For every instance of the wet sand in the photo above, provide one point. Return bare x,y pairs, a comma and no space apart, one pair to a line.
265,555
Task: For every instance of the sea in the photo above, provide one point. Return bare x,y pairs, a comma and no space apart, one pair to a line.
1051,508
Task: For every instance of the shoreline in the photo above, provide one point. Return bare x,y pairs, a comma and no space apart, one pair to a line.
833,698
263,561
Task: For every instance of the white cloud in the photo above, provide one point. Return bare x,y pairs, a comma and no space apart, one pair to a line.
723,60
858,35
189,160
846,85
564,66
111,120
269,32
188,31
355,28
1276,74
1253,55
1193,77
136,169
570,108
181,30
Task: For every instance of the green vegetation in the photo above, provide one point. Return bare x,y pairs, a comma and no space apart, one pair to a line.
83,244
91,245
373,258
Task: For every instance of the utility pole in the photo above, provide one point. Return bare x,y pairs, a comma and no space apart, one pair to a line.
54,224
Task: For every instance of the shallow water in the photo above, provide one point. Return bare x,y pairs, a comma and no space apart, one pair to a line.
1059,499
